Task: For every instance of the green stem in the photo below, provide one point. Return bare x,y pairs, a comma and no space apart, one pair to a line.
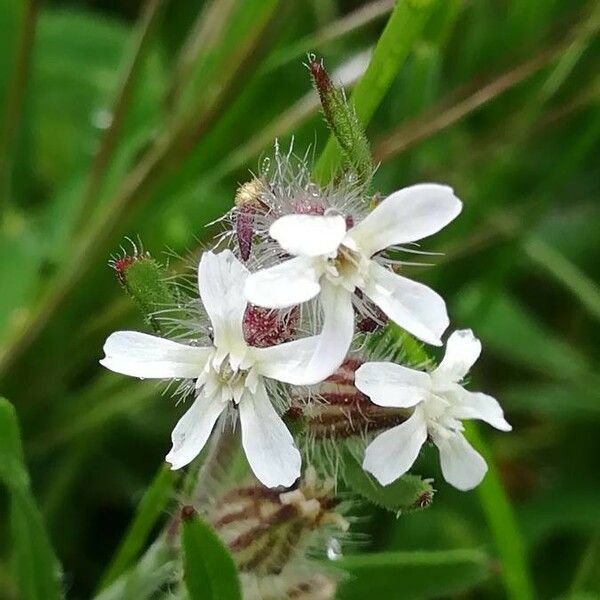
149,510
503,526
14,100
403,28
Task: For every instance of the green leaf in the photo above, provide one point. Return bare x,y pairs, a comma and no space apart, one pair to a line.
410,492
151,507
503,525
36,569
412,575
208,569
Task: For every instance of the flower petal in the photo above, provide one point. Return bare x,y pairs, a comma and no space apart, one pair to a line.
462,350
389,384
335,337
309,235
221,280
407,215
413,306
148,356
269,446
391,454
475,405
287,362
462,466
291,282
193,430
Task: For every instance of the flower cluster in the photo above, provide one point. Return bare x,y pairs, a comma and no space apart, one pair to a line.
311,263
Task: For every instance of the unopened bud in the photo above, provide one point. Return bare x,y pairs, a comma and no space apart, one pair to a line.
248,200
340,410
145,280
342,121
268,327
264,529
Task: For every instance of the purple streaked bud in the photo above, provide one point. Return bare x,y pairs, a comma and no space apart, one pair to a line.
248,200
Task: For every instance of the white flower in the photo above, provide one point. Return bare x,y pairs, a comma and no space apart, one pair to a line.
331,261
229,372
440,404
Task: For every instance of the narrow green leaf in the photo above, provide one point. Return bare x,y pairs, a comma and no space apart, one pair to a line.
403,28
410,492
208,569
150,509
36,569
412,575
503,526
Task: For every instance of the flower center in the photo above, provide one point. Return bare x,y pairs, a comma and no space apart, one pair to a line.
440,421
346,268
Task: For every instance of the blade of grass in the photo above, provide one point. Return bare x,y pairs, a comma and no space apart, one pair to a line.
403,28
348,24
563,270
142,35
503,526
14,99
163,158
149,510
446,114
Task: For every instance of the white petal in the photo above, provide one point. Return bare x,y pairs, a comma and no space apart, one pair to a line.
462,466
336,335
391,454
462,350
291,282
407,215
148,356
475,405
287,362
309,235
269,446
221,280
193,430
413,306
389,384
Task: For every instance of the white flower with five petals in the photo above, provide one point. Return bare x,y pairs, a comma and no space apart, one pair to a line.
228,373
441,403
331,261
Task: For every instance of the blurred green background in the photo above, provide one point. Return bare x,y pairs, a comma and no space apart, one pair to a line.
140,118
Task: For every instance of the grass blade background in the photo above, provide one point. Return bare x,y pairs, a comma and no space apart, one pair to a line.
36,569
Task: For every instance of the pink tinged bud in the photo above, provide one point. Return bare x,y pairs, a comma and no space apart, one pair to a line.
308,204
120,265
372,318
268,327
244,230
248,200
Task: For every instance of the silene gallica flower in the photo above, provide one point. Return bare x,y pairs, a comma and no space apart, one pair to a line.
228,374
441,403
333,258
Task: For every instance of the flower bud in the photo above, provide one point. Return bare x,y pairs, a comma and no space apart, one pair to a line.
265,529
248,202
268,327
342,121
145,280
339,410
